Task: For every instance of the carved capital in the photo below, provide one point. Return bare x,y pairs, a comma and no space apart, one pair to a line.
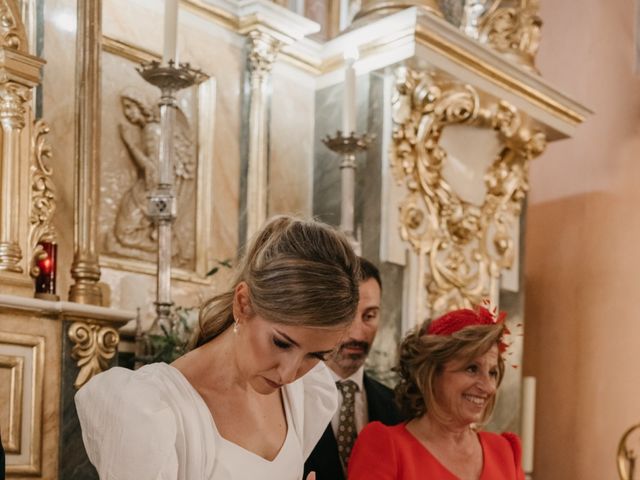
466,245
94,346
263,50
12,31
13,98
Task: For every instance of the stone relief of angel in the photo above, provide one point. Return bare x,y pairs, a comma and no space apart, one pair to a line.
134,230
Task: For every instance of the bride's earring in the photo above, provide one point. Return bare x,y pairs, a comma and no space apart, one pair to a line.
235,325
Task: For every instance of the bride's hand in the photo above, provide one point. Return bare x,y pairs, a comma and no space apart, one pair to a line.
311,476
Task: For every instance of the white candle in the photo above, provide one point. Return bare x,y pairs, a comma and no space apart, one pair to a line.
349,99
528,422
170,30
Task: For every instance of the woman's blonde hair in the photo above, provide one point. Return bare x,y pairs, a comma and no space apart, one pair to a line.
298,273
423,356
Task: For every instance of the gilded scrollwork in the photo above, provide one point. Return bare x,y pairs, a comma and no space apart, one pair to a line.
466,246
513,27
628,453
94,346
12,31
43,201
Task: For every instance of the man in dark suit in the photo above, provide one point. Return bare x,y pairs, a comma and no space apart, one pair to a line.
362,399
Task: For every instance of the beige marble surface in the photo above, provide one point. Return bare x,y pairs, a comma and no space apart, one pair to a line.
291,155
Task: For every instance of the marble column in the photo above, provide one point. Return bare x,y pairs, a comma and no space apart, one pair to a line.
262,52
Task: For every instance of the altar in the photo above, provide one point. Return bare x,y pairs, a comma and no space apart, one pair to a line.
411,126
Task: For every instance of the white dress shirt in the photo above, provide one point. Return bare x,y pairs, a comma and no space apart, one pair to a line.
361,411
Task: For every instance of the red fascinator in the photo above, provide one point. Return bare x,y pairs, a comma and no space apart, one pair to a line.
456,320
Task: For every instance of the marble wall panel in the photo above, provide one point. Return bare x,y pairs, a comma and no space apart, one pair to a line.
326,164
326,203
291,142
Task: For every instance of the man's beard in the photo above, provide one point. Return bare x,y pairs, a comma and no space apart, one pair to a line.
364,346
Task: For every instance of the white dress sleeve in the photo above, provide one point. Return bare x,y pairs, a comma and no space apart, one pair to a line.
128,430
315,400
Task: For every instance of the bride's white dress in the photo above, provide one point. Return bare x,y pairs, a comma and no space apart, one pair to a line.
151,424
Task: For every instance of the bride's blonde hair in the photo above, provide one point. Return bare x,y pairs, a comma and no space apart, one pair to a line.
298,273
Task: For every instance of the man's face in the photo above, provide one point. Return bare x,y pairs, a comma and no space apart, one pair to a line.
353,350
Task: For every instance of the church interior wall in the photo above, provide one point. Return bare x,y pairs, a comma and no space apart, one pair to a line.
291,143
582,259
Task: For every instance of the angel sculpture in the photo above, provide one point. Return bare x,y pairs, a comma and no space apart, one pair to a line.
134,229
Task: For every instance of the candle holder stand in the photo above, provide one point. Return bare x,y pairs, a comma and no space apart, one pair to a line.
170,79
347,147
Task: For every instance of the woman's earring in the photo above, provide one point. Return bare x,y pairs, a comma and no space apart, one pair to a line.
235,325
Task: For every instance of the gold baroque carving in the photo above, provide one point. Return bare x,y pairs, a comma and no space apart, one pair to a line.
94,346
263,50
12,30
513,27
628,453
43,202
466,246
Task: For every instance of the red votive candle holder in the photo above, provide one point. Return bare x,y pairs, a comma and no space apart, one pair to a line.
46,262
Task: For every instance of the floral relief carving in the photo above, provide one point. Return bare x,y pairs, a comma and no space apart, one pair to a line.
514,26
12,30
43,202
93,347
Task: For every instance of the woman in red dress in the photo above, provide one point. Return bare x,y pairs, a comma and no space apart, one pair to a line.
450,372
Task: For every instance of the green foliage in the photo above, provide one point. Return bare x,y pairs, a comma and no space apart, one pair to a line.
165,343
220,263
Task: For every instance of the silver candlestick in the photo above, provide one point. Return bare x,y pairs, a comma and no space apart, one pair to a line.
162,206
348,146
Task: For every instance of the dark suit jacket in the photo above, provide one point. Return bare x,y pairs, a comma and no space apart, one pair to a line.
324,459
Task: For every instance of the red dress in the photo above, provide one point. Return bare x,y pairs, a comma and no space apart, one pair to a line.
392,453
